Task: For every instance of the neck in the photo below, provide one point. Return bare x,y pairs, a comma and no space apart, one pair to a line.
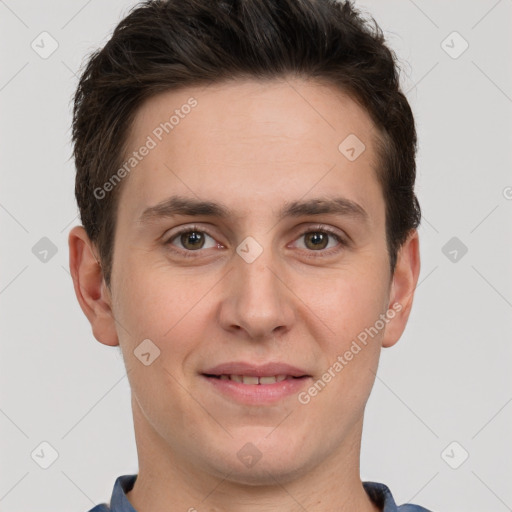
168,482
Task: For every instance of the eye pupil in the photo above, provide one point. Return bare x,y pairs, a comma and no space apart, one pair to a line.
319,240
192,240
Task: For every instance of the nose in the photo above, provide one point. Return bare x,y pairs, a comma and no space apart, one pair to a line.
257,302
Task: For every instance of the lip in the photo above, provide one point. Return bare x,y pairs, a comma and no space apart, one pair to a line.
256,394
253,370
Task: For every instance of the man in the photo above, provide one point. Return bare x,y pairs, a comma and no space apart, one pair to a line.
245,179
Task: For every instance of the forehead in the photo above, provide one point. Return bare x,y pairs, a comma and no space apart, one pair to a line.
244,141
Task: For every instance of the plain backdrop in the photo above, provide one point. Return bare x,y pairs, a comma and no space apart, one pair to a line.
438,422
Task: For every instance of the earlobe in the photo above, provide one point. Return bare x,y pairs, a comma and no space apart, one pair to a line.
404,282
90,289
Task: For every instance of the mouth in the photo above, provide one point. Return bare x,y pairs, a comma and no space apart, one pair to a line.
256,385
255,380
236,370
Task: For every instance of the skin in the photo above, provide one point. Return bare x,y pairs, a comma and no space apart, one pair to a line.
252,146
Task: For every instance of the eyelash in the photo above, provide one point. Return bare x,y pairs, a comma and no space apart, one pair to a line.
313,229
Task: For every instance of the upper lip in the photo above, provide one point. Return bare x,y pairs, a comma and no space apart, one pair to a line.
254,370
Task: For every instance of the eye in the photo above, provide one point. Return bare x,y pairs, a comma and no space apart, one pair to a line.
320,239
192,239
317,239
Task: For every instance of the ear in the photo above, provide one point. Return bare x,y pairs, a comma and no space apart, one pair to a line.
403,285
90,288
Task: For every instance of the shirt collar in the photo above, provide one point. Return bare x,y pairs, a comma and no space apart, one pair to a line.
119,501
381,496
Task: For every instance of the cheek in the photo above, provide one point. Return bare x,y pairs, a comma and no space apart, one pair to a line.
350,359
155,299
346,300
350,306
160,304
166,309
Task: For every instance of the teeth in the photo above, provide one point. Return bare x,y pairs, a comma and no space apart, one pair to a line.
268,380
247,379
250,380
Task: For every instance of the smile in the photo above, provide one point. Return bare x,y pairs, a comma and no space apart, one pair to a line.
251,379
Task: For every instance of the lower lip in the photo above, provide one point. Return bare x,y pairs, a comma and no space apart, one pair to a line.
258,393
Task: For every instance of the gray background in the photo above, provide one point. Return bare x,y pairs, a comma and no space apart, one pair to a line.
448,378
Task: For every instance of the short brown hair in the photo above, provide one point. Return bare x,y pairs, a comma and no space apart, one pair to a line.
169,44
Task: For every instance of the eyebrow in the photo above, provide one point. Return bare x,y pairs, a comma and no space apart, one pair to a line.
180,205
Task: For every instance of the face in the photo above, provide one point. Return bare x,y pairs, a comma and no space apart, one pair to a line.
274,256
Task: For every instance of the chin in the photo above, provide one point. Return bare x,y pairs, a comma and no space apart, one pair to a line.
263,473
264,462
